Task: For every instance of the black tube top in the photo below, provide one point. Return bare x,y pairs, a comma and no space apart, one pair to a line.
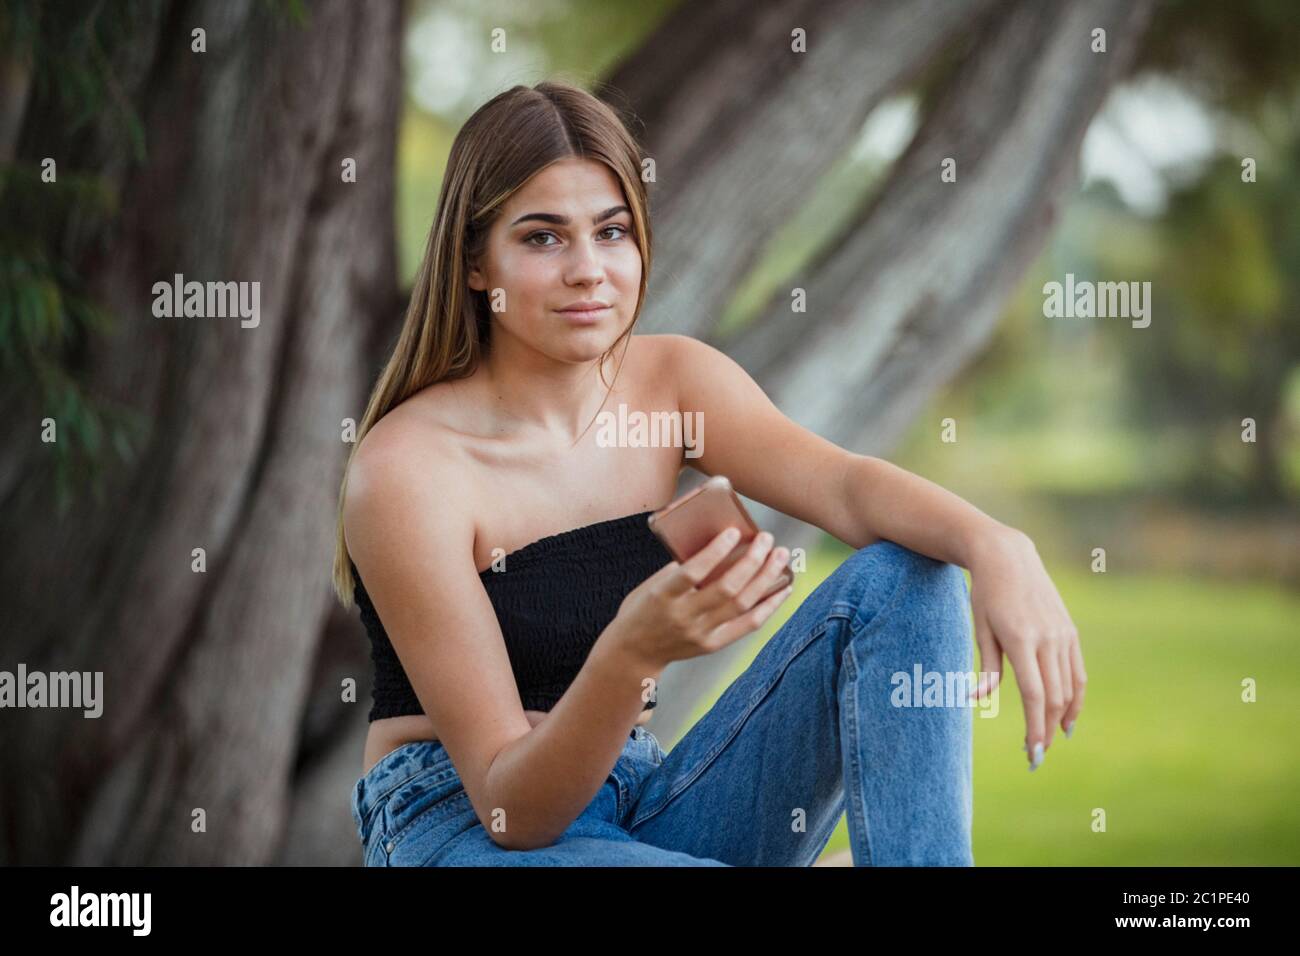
552,600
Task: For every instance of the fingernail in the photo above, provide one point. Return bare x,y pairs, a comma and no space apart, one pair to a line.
731,535
1038,757
1069,728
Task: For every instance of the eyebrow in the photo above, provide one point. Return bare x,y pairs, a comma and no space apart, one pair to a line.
564,220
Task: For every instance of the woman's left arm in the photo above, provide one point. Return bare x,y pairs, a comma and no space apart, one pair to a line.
860,499
1016,607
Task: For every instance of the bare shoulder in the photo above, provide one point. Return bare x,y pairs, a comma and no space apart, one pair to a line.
658,347
403,443
404,465
665,356
413,427
679,360
675,348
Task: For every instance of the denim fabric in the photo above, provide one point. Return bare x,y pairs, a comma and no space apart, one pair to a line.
816,726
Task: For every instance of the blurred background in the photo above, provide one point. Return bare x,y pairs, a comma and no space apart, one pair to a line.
798,146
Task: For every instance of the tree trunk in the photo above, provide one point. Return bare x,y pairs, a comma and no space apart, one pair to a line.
742,128
206,674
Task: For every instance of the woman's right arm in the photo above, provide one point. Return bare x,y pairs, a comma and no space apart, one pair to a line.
412,540
413,544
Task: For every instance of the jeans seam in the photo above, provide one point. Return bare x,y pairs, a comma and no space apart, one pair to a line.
758,698
622,794
855,799
853,784
375,849
620,797
377,803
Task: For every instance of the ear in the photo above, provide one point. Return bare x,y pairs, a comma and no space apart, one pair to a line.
476,280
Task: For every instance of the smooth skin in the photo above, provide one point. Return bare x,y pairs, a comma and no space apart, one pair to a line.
465,470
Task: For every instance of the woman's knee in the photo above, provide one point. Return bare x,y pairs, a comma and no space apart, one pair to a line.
883,558
885,571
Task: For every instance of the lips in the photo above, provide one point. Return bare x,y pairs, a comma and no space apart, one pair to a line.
584,305
585,312
585,316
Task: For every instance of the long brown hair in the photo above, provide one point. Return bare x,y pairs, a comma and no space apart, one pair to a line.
447,327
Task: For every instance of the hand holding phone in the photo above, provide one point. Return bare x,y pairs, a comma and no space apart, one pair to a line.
688,524
718,594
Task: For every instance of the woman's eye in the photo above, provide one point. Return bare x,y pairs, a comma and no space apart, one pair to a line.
537,235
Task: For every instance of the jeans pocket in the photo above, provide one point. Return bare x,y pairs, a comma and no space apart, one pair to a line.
423,792
420,803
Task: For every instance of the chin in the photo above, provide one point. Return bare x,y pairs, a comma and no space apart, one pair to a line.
588,343
588,350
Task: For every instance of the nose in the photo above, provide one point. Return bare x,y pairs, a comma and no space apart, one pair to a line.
584,264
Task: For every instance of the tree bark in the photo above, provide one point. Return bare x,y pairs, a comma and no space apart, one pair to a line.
742,128
206,674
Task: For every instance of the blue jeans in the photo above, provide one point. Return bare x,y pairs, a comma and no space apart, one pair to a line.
825,720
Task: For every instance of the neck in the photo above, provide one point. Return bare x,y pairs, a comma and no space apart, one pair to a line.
527,390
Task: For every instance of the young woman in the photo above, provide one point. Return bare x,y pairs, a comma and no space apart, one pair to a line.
521,612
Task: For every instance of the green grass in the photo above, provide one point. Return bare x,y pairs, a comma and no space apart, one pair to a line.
1186,773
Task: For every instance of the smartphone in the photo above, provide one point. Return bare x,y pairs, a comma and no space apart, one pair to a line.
686,525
